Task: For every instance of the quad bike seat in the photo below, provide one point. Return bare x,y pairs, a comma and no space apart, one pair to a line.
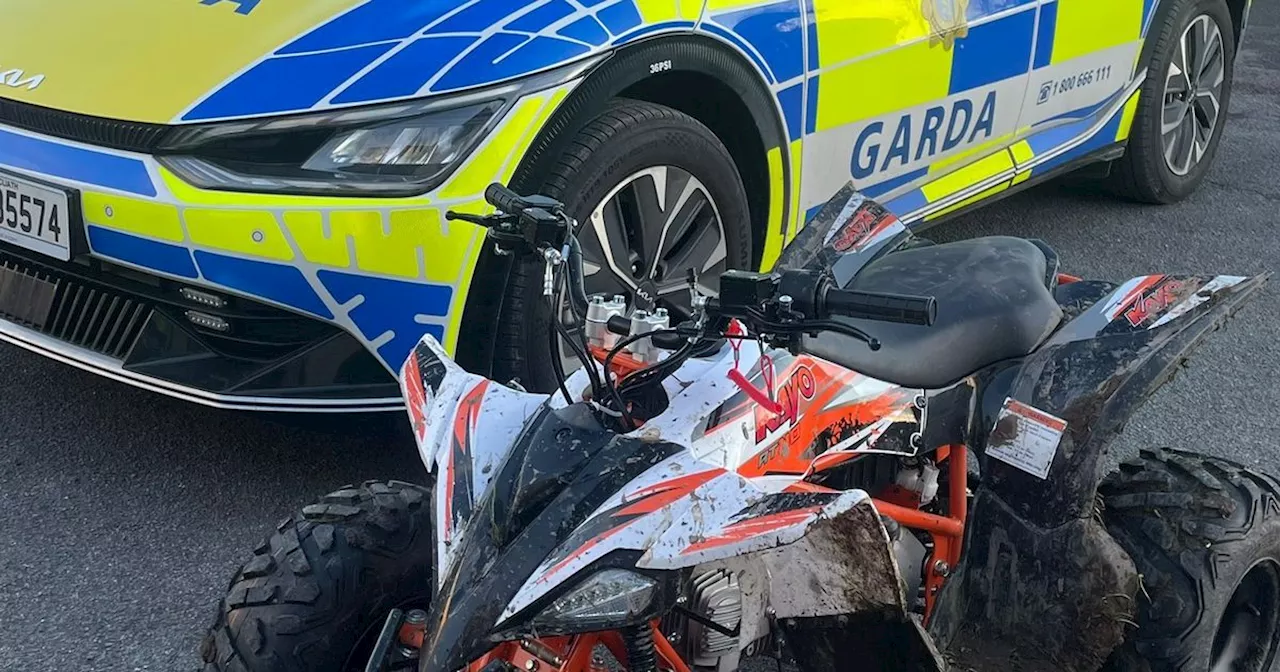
994,303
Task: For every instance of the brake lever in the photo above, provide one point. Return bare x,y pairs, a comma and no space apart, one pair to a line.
481,220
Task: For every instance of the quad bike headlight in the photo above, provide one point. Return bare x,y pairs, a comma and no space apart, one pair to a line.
612,598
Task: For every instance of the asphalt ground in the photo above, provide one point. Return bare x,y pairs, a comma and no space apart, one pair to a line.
123,514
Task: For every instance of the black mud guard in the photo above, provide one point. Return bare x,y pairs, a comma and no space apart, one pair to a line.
1042,585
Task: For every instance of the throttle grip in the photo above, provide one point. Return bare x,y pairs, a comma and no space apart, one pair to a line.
901,308
504,199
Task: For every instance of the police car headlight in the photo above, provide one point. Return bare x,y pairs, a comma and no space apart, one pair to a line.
405,156
609,599
397,149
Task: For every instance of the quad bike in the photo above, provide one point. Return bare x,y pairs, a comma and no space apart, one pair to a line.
884,455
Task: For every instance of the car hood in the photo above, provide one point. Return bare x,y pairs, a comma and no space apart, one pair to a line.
142,60
187,61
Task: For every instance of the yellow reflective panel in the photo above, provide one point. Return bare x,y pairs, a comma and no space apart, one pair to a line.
797,214
849,29
1086,26
981,196
1022,152
658,11
1126,120
720,5
144,60
250,232
777,198
972,174
442,253
378,250
890,81
308,231
145,218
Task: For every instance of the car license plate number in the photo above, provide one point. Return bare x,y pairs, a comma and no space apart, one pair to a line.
34,217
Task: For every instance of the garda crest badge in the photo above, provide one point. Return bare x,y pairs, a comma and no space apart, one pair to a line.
948,20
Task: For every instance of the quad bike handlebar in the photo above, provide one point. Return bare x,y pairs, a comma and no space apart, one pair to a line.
790,300
777,308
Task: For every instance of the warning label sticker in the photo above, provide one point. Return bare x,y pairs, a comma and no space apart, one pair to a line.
1026,438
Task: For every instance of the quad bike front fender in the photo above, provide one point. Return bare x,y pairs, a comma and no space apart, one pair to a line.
1041,575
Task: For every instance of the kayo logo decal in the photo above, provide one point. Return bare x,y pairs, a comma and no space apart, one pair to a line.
1155,302
18,79
922,135
801,385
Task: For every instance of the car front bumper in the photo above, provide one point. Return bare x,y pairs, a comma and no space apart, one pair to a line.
316,300
146,332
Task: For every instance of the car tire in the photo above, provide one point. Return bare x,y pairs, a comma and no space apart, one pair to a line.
1205,536
321,585
1144,173
627,138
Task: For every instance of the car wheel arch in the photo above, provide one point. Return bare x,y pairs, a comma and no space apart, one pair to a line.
1236,8
657,70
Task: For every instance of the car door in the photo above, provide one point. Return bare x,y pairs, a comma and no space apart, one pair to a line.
905,96
1084,69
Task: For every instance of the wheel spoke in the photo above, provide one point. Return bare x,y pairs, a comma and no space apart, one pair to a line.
677,220
1188,140
1212,68
1198,41
608,242
648,232
1174,113
1179,80
1207,109
653,192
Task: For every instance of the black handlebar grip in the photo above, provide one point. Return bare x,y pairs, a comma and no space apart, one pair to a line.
921,310
504,199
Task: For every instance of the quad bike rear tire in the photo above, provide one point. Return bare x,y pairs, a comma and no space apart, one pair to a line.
321,585
1205,536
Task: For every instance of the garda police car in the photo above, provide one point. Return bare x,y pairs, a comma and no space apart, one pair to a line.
240,202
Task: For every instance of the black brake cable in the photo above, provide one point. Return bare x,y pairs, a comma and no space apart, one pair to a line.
563,333
608,366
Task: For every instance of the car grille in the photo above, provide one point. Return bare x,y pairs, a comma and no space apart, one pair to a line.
94,318
125,135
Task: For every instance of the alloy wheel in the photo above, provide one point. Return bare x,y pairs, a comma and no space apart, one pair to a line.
646,234
1193,95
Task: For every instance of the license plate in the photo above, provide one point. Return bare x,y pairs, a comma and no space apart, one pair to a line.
35,217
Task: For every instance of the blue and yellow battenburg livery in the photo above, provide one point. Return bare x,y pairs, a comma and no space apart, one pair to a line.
928,105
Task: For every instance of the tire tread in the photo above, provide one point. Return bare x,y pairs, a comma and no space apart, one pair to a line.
1178,515
284,605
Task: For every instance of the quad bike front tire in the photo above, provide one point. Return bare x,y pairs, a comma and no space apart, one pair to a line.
1205,536
315,594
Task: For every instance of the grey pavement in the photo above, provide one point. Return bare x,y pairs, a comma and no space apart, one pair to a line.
123,514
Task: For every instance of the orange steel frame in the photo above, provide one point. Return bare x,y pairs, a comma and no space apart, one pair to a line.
947,531
575,654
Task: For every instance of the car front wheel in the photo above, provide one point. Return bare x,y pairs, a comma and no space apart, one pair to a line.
655,194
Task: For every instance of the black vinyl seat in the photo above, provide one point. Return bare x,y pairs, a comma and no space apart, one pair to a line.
993,304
